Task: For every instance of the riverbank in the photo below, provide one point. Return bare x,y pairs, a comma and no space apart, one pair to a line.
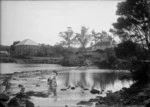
36,87
138,95
31,60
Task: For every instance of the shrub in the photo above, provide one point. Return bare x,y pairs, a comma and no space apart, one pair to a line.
71,60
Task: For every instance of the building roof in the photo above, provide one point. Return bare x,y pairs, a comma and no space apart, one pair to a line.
27,42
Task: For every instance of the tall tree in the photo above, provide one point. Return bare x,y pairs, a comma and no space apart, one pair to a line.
83,38
100,36
134,22
12,47
68,37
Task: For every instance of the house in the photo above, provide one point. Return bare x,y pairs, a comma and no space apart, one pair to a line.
26,47
98,51
102,45
27,42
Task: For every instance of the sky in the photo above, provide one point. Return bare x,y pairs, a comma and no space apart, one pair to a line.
41,21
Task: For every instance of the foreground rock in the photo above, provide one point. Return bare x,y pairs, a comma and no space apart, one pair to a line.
137,94
14,103
37,94
94,91
3,100
86,103
4,97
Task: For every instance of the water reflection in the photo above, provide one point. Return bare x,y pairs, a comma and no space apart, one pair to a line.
100,81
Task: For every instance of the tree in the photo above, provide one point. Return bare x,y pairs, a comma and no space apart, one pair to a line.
83,38
128,50
134,22
44,50
100,36
68,38
12,47
133,27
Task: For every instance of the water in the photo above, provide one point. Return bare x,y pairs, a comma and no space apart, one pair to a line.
13,67
93,79
78,78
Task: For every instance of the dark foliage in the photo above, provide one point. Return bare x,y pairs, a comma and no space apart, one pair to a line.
13,103
128,49
140,71
134,22
72,60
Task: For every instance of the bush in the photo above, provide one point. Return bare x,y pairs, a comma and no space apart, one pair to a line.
102,64
71,60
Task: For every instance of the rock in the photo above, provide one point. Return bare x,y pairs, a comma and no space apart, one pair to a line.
37,94
100,105
85,89
85,103
99,97
94,91
101,102
94,100
4,97
63,89
102,90
37,85
72,88
13,103
109,91
20,85
22,95
15,79
29,103
148,105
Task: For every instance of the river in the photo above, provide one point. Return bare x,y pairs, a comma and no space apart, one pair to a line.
14,67
73,77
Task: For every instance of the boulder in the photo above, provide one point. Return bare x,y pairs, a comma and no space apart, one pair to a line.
29,103
4,97
85,103
63,89
72,88
13,103
85,89
94,91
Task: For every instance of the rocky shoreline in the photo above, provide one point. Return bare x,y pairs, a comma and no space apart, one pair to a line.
138,95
